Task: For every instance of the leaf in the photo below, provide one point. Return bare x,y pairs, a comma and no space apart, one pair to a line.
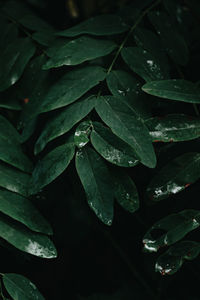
19,287
13,179
11,104
26,240
81,136
112,148
71,87
22,210
9,131
125,191
143,63
174,89
173,128
45,38
172,229
96,182
99,25
13,61
63,121
172,40
171,261
35,23
51,166
126,125
175,176
77,51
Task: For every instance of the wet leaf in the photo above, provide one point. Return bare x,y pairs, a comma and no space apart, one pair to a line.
19,287
77,51
22,210
173,228
25,240
173,128
172,40
112,148
13,61
51,166
175,176
99,25
96,182
171,261
13,180
81,136
64,120
126,125
143,63
71,87
174,89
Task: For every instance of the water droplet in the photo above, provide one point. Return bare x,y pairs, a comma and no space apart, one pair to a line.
149,245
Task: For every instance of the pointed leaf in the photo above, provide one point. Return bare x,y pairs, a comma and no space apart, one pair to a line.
22,210
174,89
175,176
172,229
64,120
173,128
96,182
126,125
51,166
112,148
9,131
77,51
99,25
19,287
81,136
143,63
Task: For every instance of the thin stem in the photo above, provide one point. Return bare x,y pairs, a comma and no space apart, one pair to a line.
129,33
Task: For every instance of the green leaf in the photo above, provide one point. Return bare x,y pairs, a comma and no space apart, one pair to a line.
22,210
45,38
173,228
100,25
81,135
51,166
26,240
175,176
171,261
172,40
13,180
19,287
77,51
143,63
173,128
11,104
71,87
97,183
13,61
174,89
8,131
112,148
126,125
35,23
63,121
125,191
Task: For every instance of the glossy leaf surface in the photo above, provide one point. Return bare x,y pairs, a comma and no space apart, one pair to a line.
97,183
8,131
19,287
126,125
143,63
99,25
77,51
175,176
25,240
22,210
64,120
72,86
13,179
51,166
174,89
111,147
173,128
171,261
81,135
173,227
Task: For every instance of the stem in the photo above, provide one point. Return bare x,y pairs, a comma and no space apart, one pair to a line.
129,33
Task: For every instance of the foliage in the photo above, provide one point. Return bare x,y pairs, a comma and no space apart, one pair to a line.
97,104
